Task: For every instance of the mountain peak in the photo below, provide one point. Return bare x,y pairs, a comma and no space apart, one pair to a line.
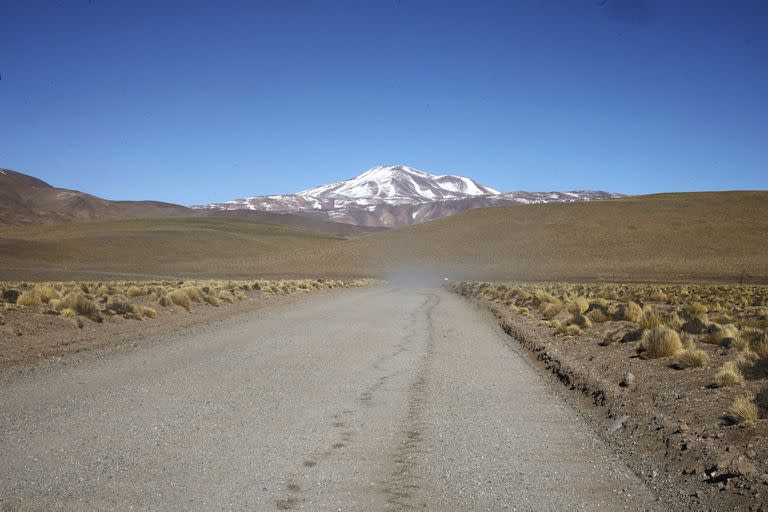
397,195
399,184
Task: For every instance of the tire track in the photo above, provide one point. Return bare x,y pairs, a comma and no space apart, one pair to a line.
294,495
403,485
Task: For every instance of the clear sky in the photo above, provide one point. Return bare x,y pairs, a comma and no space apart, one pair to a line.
196,102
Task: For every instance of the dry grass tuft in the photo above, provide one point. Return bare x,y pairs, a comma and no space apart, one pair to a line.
47,293
598,316
633,312
729,375
651,319
573,330
693,358
579,306
659,342
551,309
716,333
30,298
180,298
743,412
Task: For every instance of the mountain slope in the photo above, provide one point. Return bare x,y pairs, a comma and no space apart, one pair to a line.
25,200
396,196
662,237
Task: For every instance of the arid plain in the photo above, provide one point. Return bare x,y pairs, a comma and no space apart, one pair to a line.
652,310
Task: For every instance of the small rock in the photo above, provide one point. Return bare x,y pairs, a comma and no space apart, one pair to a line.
682,428
10,296
616,425
627,380
751,454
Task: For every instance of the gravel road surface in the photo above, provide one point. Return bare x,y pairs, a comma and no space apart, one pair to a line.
369,399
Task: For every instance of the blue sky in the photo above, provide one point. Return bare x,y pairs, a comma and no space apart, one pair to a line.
196,102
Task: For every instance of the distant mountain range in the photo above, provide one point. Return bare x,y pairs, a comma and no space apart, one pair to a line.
26,200
393,196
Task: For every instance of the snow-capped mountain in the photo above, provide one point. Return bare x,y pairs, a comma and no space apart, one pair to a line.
397,184
397,195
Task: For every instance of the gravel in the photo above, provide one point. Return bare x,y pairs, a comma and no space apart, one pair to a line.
371,399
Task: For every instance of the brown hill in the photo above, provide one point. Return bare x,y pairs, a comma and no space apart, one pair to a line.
152,248
664,237
27,200
681,236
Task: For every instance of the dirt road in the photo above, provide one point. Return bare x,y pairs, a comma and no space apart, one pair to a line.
368,399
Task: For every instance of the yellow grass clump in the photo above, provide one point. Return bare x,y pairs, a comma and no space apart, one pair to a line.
578,306
729,375
743,412
573,330
659,342
598,316
633,312
30,298
46,293
717,333
692,358
180,298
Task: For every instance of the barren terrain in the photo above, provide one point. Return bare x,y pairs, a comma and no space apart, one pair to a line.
660,370
311,406
718,236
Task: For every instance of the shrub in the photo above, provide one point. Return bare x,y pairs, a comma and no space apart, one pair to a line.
695,308
226,297
578,306
135,291
597,315
144,311
210,299
193,292
82,304
760,345
180,298
573,330
29,298
717,333
542,296
164,301
650,320
693,358
729,375
743,412
121,306
673,321
47,293
633,312
68,312
660,341
580,320
551,309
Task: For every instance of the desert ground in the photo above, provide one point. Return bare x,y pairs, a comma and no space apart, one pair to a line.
369,399
475,362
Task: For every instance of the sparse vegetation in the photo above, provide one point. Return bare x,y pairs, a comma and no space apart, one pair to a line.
135,299
693,358
720,330
660,341
743,412
729,375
